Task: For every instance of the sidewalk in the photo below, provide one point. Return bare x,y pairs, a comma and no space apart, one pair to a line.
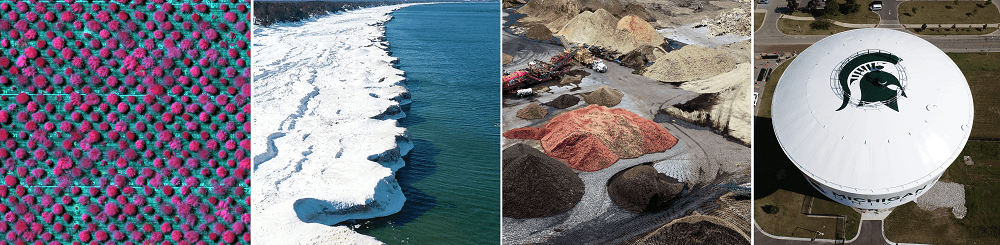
832,21
904,25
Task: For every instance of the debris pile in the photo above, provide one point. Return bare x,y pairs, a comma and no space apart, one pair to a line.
640,57
736,22
535,185
595,137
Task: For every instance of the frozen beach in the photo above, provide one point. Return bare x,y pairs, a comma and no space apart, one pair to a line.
327,142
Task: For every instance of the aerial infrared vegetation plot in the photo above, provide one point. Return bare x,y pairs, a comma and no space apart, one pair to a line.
124,122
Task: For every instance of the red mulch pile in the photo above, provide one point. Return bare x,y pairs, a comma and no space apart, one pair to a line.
595,137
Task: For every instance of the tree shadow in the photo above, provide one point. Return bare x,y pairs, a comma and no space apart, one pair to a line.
772,168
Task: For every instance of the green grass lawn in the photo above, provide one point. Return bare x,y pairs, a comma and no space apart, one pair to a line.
790,222
908,223
955,31
863,16
799,27
764,103
938,12
757,20
982,71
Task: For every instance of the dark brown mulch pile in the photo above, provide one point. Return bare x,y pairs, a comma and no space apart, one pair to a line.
702,232
536,185
642,189
564,101
702,102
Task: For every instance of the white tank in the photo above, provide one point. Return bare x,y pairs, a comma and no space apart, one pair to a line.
872,117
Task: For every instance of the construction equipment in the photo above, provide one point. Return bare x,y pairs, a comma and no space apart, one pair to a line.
538,72
599,66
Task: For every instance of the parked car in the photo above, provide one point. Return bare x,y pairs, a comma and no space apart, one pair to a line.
876,6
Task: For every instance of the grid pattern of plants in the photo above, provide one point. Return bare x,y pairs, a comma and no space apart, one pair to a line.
124,122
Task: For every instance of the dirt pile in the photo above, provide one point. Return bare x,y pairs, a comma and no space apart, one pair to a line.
690,63
513,3
641,189
539,32
532,111
695,229
551,13
564,101
601,28
506,59
735,21
638,10
535,185
595,137
724,104
604,96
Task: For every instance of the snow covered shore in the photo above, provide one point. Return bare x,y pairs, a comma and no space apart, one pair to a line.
326,143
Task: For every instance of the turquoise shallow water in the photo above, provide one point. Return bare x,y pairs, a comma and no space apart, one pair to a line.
450,53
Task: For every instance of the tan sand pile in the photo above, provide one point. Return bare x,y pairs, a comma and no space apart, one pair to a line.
601,28
604,96
730,113
532,111
735,21
506,59
690,63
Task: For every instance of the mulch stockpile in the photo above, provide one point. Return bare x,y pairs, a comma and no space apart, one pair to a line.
642,189
564,101
595,137
532,111
535,185
604,96
706,231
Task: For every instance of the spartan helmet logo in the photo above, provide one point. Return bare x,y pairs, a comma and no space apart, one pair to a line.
869,79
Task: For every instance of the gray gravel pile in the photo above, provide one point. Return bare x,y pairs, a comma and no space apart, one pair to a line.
944,195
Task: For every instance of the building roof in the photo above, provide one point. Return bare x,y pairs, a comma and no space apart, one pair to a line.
907,114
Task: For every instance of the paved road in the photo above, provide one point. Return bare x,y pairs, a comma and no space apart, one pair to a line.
871,234
768,34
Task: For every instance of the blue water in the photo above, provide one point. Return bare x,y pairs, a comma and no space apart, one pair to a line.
451,54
